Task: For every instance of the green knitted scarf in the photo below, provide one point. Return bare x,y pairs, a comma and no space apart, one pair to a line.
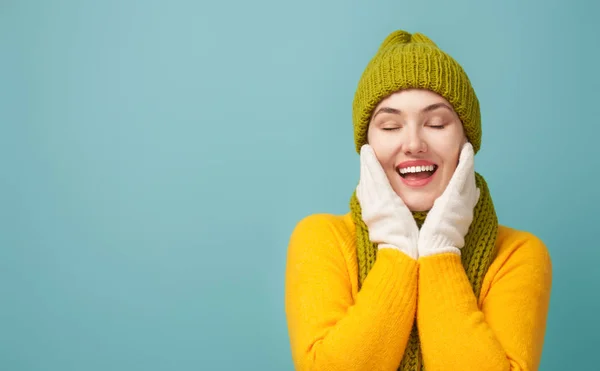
477,255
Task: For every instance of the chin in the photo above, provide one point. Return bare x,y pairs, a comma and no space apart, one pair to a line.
419,208
415,200
417,203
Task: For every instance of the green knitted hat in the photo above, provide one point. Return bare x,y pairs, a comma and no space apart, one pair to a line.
405,61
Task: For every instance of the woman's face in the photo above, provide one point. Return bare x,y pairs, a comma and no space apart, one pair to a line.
417,138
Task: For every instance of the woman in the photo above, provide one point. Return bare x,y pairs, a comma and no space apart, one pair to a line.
419,275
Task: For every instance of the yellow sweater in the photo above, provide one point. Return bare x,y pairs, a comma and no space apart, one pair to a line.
332,326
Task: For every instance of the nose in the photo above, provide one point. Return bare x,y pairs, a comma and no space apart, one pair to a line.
414,142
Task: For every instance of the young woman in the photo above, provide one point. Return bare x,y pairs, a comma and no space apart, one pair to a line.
419,274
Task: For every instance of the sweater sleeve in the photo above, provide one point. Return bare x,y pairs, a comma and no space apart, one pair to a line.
329,328
506,333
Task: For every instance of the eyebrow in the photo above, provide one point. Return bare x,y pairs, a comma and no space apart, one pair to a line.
429,108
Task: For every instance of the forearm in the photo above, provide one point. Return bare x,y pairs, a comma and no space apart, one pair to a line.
369,334
453,330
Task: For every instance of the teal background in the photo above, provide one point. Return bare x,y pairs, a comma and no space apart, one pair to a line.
155,157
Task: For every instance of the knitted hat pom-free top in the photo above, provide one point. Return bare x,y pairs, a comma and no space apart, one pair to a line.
406,61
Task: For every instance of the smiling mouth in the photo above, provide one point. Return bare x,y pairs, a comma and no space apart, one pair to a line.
417,172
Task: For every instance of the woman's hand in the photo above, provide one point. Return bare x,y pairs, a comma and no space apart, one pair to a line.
390,222
449,219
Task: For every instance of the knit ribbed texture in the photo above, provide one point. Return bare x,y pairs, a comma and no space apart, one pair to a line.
414,61
366,256
476,256
334,326
367,328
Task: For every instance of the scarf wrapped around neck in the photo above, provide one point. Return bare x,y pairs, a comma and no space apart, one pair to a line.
477,255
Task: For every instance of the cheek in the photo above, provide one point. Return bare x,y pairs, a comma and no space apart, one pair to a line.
447,150
384,146
450,161
446,145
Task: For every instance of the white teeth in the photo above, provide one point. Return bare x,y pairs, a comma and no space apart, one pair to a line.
416,169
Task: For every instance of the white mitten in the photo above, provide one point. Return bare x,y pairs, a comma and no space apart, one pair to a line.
449,219
390,222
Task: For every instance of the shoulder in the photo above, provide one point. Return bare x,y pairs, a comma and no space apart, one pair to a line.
521,249
323,224
511,240
323,232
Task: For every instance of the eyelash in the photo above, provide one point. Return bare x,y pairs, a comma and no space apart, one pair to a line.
437,127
